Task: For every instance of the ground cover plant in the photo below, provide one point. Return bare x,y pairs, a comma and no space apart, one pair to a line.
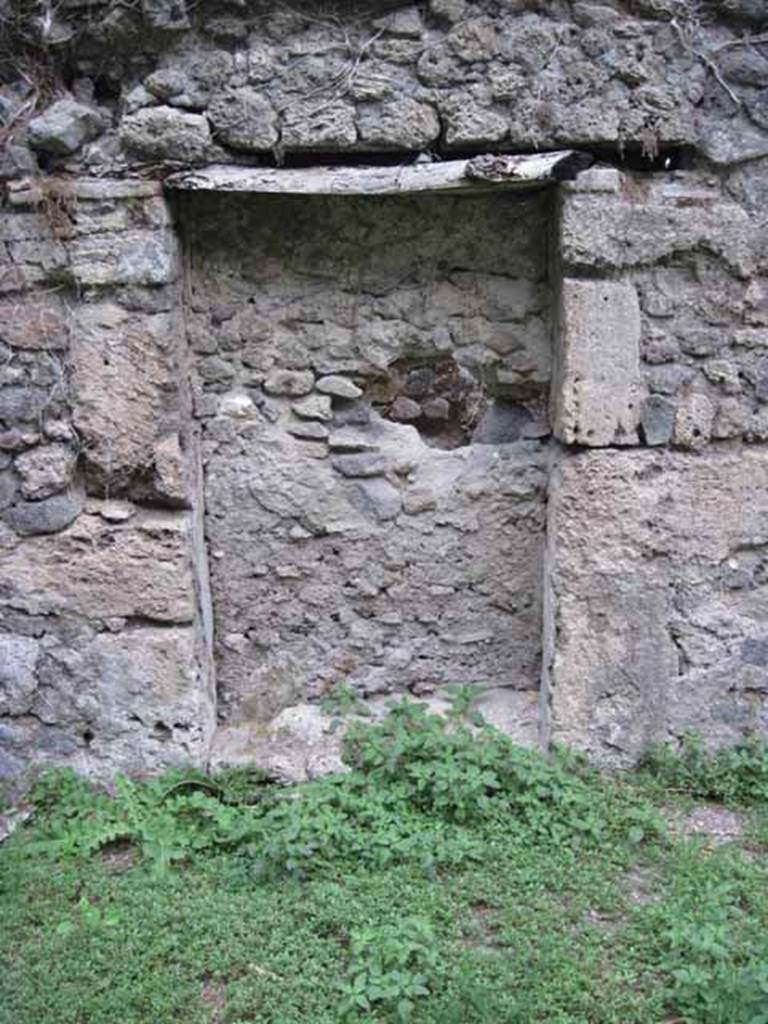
450,876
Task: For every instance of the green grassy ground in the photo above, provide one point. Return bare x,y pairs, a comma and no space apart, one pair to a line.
449,878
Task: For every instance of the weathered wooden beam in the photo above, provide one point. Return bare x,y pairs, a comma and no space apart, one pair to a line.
474,175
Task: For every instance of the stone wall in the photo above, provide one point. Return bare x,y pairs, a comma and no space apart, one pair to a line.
495,439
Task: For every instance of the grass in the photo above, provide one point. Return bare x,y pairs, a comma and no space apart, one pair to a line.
449,877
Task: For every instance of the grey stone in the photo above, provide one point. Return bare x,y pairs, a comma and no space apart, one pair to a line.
610,233
351,440
725,374
731,419
406,23
657,420
405,410
669,380
168,135
21,404
168,15
45,470
64,127
141,257
314,407
401,123
693,421
15,440
744,65
243,119
351,414
292,383
467,123
437,409
363,464
309,429
18,658
9,487
238,405
502,423
700,341
338,387
761,380
754,651
214,369
319,124
17,161
298,744
450,10
379,497
165,83
419,383
757,108
47,516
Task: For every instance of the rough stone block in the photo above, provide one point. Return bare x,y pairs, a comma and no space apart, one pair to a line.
33,325
47,516
243,119
132,701
125,388
401,123
45,470
140,569
609,233
644,636
596,386
298,744
167,134
168,15
126,258
326,124
657,420
64,127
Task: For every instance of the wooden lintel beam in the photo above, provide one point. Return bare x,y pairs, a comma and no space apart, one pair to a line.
476,174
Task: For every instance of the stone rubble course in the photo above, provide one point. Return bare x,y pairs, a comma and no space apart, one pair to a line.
538,75
256,446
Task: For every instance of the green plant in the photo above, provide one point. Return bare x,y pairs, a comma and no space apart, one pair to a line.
90,916
737,774
391,966
449,876
342,700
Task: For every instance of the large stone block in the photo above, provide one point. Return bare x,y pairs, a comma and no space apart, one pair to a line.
655,613
128,257
609,233
596,386
130,701
137,569
167,134
126,396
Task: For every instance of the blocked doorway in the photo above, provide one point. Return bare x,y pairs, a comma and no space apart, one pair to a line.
371,379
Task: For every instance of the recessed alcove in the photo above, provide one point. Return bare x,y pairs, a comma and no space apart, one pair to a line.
370,375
